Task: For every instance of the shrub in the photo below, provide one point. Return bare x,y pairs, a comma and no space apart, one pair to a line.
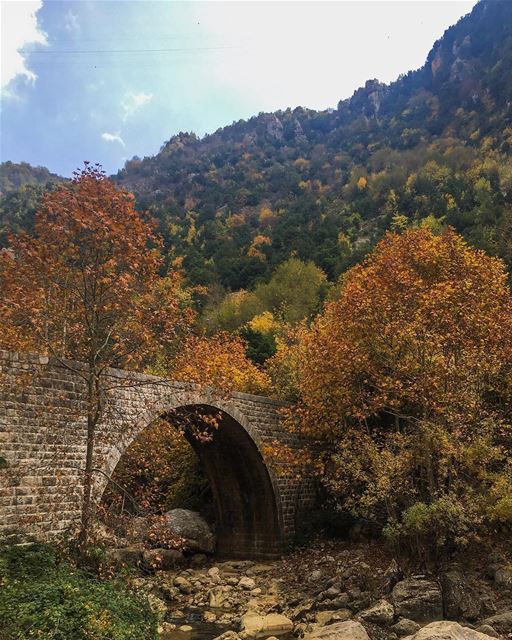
45,597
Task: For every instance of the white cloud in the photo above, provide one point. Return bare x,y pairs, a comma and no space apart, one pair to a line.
113,137
71,23
132,102
19,28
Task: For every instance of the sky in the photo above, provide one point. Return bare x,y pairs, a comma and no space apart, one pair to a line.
104,81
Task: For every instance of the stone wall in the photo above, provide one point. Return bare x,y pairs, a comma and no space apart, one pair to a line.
43,441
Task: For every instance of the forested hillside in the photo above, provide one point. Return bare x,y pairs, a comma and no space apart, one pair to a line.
431,148
435,146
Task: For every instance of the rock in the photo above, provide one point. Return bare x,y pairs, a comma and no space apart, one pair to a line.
185,628
405,627
459,599
163,559
301,610
381,613
256,592
488,631
315,575
247,583
228,635
418,599
183,584
255,626
157,605
503,577
341,601
128,557
218,597
209,616
198,560
166,627
325,617
190,526
502,622
392,575
447,630
349,630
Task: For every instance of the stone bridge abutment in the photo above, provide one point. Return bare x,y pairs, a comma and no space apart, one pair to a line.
258,501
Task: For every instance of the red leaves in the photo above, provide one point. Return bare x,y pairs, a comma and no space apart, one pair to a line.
85,285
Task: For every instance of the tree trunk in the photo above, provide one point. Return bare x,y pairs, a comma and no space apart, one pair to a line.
92,419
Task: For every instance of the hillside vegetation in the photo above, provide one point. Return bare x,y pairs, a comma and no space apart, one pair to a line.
432,148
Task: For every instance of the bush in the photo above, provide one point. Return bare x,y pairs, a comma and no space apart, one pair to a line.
43,596
428,531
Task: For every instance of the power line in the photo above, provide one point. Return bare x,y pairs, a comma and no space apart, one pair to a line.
101,51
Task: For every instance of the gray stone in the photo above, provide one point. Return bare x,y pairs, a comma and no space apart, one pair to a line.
488,630
381,613
405,627
127,557
256,626
418,599
502,622
163,559
447,630
503,577
348,630
184,585
246,583
459,599
190,526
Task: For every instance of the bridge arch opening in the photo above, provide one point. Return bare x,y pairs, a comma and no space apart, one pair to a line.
244,496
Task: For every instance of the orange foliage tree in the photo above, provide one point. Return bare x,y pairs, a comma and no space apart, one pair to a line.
219,361
87,286
406,377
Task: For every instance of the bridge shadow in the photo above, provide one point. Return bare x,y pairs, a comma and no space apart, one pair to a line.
247,519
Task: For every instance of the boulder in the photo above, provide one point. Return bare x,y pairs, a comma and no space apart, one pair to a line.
325,617
184,585
503,577
218,597
418,599
447,630
348,630
163,559
488,631
247,583
502,622
255,626
198,560
405,627
381,613
459,599
127,557
190,526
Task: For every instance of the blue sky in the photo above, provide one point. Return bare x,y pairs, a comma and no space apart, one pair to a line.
106,80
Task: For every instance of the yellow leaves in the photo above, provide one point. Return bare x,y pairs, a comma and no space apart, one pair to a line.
264,323
362,183
254,249
219,361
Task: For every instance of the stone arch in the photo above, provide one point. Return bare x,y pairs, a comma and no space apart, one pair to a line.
249,519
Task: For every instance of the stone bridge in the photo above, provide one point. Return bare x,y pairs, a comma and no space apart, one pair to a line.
258,501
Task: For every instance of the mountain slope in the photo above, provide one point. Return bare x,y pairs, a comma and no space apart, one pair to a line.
431,148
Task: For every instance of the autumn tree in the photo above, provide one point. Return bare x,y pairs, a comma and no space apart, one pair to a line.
87,286
406,380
